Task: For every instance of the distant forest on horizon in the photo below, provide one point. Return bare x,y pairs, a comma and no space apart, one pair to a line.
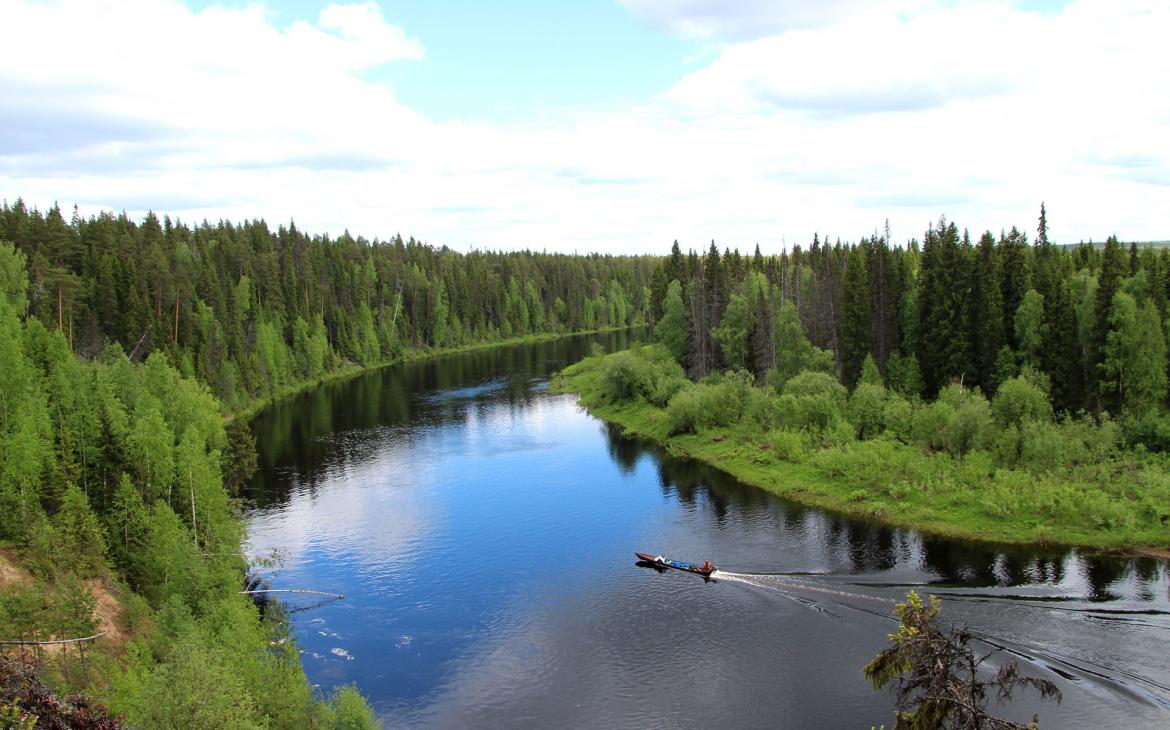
249,310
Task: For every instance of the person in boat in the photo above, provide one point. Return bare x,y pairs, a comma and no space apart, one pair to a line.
707,567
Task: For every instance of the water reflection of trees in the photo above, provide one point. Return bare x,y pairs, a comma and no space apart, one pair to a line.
301,436
869,548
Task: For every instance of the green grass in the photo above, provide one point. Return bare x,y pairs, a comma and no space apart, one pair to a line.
1118,504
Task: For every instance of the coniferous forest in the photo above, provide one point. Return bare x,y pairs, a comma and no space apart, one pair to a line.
1001,388
123,347
941,382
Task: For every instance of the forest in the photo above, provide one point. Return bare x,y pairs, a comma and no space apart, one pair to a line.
250,312
1000,389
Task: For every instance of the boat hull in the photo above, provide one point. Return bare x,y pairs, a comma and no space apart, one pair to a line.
659,561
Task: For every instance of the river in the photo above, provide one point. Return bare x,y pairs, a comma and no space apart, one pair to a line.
482,531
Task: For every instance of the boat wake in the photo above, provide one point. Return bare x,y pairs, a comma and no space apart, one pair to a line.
783,582
1073,668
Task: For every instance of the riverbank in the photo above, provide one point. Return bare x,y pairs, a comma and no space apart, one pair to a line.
350,369
1117,504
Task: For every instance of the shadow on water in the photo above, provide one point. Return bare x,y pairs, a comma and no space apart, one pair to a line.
298,434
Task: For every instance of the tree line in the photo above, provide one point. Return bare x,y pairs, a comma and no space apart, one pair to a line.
1087,321
249,310
114,471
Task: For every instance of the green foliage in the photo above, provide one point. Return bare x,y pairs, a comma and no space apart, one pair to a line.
645,372
671,330
1134,368
870,374
867,410
814,401
959,421
13,279
718,401
349,710
936,678
904,376
1019,400
1030,328
80,534
794,352
733,332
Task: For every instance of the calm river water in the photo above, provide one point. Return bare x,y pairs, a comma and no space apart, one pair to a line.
482,531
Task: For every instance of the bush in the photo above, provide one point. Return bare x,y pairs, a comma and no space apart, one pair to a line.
666,389
760,409
866,410
898,417
1151,431
812,401
684,413
959,421
790,446
626,377
717,401
1019,400
638,374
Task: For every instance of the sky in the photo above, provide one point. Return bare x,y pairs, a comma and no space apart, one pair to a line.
616,126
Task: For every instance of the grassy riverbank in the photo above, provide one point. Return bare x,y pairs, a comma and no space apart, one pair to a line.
1111,499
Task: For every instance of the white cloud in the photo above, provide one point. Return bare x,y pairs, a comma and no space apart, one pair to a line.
973,109
742,19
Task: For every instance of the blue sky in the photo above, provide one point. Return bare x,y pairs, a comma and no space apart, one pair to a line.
616,125
509,58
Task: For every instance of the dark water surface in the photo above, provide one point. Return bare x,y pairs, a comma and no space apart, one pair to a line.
482,531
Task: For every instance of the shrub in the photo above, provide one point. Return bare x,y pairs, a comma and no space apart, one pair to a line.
959,421
973,425
760,408
1048,446
1151,431
866,410
812,400
666,389
1019,400
636,374
898,417
931,425
717,401
624,377
790,446
684,413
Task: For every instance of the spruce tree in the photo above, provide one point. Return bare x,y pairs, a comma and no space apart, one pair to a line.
854,316
987,293
1016,278
943,345
1113,267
